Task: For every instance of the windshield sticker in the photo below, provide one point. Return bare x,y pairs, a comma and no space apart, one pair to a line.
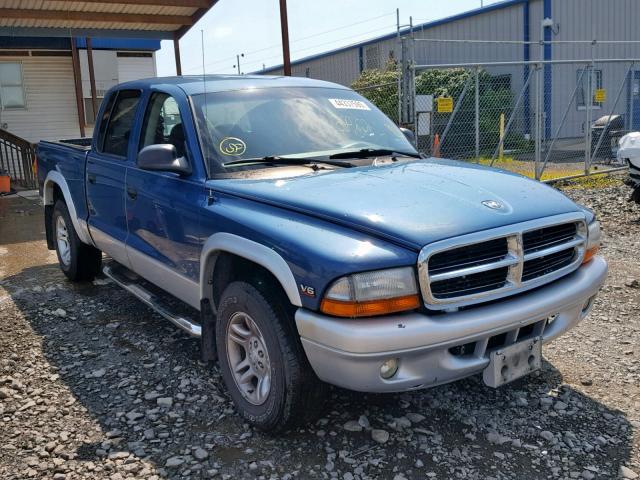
349,104
232,146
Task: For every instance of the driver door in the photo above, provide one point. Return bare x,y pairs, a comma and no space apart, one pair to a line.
162,215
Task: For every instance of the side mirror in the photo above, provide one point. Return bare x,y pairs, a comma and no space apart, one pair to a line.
409,135
163,157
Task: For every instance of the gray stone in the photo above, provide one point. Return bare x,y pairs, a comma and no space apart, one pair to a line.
403,422
173,462
200,454
415,417
152,395
165,402
364,421
133,416
560,405
380,436
547,435
352,426
118,455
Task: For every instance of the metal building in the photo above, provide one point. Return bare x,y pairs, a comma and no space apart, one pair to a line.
509,31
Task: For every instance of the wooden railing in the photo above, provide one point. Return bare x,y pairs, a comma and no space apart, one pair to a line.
17,158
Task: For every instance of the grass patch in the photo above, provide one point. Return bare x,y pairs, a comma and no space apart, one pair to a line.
553,171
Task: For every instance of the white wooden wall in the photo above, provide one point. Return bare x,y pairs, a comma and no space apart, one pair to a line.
50,111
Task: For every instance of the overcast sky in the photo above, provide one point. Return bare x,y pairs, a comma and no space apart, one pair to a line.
252,27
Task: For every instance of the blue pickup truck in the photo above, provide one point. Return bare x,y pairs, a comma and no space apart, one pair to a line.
312,242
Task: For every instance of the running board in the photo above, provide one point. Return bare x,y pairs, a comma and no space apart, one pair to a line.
192,328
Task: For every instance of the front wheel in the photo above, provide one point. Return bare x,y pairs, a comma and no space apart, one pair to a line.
262,361
78,261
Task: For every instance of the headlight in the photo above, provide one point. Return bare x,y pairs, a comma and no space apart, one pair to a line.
372,293
593,241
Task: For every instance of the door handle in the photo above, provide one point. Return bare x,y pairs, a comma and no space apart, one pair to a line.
91,177
132,193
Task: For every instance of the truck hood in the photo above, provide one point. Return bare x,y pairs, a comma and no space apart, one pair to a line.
410,203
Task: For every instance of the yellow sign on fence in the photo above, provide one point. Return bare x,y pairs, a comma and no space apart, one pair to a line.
445,104
600,95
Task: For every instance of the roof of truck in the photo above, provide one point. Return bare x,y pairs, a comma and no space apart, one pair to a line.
197,84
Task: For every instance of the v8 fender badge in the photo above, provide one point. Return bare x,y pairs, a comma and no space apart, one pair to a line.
308,291
492,204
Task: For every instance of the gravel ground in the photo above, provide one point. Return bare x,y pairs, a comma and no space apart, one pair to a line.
94,385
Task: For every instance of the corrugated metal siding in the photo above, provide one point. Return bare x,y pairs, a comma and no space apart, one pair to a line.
84,24
587,20
51,104
341,68
106,7
135,68
144,11
504,24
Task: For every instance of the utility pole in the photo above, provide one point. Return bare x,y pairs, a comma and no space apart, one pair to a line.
284,28
237,65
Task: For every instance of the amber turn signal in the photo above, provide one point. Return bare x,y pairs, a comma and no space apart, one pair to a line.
589,254
369,308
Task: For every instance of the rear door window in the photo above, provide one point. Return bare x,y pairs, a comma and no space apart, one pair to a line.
120,123
104,119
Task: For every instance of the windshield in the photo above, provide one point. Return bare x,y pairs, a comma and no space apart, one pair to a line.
300,122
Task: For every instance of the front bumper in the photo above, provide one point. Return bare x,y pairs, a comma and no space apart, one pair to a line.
634,174
429,348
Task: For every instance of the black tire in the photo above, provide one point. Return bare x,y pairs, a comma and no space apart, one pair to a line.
296,395
83,261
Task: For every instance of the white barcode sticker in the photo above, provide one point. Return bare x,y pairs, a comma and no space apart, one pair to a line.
349,104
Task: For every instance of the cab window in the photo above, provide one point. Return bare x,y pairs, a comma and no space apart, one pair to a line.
162,124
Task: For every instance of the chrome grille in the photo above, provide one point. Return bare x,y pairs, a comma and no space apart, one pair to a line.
492,264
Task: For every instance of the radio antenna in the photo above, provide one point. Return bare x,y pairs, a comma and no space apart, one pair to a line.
204,80
202,47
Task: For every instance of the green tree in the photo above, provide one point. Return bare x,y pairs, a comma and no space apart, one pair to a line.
496,98
380,87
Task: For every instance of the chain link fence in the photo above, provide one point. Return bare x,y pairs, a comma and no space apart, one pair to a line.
547,119
384,96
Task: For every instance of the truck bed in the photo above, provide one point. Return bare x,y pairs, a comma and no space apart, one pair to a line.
66,158
83,143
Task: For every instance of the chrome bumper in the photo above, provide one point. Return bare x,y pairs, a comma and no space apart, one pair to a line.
349,352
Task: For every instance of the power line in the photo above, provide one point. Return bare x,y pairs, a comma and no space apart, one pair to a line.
224,60
327,43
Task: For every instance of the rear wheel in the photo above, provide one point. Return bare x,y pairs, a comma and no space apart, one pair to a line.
262,361
78,261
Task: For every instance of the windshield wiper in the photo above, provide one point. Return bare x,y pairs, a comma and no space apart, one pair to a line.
277,159
373,152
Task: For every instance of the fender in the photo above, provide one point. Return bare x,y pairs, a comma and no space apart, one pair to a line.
256,252
55,178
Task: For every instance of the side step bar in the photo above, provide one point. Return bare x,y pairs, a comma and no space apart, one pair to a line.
192,328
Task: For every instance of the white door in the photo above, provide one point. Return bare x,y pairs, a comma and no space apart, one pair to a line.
134,67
